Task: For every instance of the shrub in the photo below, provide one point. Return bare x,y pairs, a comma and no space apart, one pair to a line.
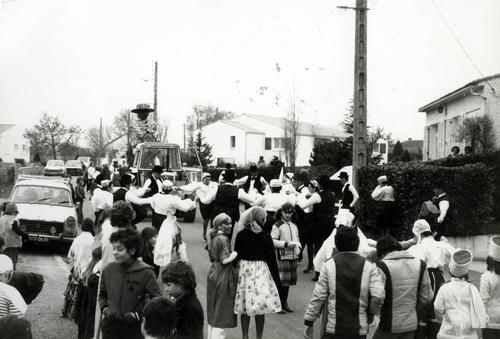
469,188
491,159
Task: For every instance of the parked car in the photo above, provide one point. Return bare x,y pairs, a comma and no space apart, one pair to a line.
47,211
74,168
54,168
86,161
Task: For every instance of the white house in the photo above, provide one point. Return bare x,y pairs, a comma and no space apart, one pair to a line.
247,137
12,143
446,114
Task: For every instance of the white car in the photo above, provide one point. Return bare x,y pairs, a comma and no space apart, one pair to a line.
47,211
74,167
54,168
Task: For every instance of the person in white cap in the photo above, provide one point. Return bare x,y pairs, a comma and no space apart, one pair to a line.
436,255
167,202
489,288
458,304
383,194
102,198
11,301
272,202
206,185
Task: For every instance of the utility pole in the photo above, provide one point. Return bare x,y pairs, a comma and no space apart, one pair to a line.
359,152
155,104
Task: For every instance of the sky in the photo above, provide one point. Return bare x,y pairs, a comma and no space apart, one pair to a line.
86,60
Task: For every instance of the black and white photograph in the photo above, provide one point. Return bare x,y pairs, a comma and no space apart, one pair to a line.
269,169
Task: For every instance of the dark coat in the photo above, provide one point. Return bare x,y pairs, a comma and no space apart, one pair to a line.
189,316
124,289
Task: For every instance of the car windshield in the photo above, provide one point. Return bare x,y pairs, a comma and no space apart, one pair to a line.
41,195
73,163
55,163
168,158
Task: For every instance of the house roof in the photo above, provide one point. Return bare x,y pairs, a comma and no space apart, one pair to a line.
462,91
241,126
4,127
304,128
412,143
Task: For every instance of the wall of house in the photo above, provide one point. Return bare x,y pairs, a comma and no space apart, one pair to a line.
254,148
441,128
219,135
493,106
13,145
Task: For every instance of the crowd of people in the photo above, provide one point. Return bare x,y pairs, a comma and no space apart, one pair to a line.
129,284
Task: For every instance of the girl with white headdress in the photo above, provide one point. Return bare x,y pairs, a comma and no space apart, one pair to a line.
458,305
436,255
222,278
169,246
256,292
167,202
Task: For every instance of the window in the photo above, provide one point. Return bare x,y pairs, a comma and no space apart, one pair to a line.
279,143
232,141
16,147
268,144
382,148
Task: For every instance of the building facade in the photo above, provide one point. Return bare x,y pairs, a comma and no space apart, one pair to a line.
12,143
445,115
247,137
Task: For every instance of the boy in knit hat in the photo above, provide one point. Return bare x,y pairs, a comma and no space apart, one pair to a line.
11,232
11,301
458,303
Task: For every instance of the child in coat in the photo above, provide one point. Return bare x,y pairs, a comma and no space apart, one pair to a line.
285,236
458,305
180,284
11,232
126,285
490,289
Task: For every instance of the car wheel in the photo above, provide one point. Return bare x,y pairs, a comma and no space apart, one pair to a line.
190,215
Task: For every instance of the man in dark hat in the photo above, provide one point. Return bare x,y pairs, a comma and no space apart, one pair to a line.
153,183
436,211
226,197
349,194
322,201
125,194
253,183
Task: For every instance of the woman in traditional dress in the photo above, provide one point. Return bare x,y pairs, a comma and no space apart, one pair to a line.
256,293
167,202
222,278
169,246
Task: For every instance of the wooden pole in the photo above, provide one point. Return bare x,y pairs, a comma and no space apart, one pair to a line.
155,104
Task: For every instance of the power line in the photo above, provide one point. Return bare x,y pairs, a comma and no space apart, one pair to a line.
460,44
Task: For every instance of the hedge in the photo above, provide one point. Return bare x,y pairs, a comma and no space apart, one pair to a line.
491,159
469,187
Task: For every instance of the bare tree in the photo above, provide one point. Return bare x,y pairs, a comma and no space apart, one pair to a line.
291,129
97,143
50,132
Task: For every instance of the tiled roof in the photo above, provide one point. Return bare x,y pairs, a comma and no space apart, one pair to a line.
450,96
241,126
304,128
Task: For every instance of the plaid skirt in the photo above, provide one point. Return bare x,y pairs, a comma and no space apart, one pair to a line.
288,272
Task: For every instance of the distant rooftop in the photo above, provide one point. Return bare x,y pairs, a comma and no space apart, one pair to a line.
304,128
4,127
456,93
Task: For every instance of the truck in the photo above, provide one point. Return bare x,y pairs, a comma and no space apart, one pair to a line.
168,156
